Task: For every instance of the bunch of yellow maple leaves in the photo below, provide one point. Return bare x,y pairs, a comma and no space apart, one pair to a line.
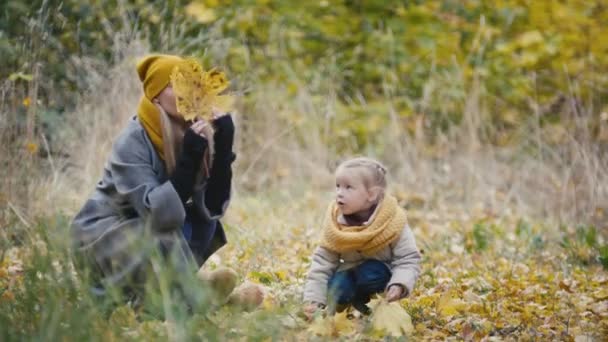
199,92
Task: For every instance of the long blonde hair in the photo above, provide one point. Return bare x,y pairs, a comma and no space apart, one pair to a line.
173,135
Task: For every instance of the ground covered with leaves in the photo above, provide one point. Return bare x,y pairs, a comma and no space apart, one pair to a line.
484,278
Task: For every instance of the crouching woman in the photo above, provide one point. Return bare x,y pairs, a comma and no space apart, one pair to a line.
164,188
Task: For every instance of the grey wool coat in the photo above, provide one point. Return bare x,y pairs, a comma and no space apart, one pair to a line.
135,211
402,258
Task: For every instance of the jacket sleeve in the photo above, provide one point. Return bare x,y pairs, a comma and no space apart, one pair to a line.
211,198
135,179
405,263
198,198
324,264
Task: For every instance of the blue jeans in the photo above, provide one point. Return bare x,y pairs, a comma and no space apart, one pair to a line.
199,240
356,285
187,230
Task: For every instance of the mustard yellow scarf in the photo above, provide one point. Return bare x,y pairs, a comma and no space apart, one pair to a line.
388,222
154,72
149,117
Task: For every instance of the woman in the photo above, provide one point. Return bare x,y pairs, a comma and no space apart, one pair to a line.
165,186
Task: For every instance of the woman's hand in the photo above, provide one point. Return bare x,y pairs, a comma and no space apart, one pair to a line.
394,293
202,128
195,139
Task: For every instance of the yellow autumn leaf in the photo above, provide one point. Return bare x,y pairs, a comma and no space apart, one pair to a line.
601,294
200,12
215,81
223,102
269,302
281,274
31,147
7,296
449,306
197,91
336,325
390,318
342,325
322,326
529,38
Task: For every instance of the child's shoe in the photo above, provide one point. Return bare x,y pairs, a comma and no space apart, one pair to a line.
362,308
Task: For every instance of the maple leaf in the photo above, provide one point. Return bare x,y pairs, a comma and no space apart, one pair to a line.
390,318
336,325
342,324
197,91
322,326
448,306
601,294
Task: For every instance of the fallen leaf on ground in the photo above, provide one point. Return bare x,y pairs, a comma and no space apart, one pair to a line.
390,318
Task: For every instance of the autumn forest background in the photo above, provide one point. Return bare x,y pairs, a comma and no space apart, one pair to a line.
491,116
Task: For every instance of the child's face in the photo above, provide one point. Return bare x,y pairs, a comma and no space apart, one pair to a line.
352,195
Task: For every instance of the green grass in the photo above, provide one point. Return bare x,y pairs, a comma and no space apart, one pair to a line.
505,285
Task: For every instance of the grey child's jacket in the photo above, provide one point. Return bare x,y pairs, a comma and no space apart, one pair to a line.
402,257
134,210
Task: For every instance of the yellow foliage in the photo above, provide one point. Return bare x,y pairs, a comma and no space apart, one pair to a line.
342,324
322,326
390,318
31,147
449,306
201,13
198,91
123,317
601,294
337,325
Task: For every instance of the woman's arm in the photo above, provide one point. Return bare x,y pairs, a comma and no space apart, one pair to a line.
188,164
213,199
133,175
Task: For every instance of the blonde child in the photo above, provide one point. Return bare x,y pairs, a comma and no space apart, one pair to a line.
366,247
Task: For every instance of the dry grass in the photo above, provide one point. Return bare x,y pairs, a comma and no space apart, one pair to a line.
283,177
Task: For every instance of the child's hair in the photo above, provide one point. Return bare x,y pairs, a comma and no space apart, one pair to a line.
371,171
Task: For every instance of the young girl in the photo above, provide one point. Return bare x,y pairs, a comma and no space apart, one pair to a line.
163,191
367,246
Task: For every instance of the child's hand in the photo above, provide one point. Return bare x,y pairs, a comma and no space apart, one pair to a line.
394,293
310,309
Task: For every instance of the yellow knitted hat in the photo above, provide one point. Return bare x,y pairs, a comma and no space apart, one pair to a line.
155,72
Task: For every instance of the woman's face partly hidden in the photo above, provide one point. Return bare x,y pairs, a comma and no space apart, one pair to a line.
166,99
